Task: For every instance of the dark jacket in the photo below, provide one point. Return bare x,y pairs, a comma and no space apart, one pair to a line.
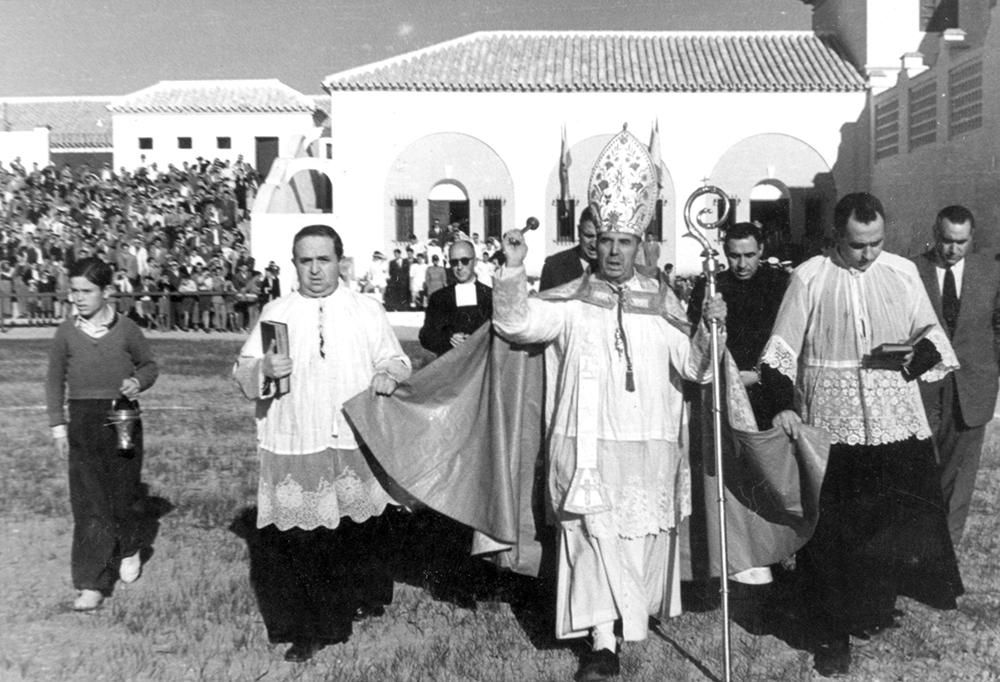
976,333
561,267
443,318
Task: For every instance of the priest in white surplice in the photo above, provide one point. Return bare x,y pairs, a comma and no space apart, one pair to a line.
313,476
618,482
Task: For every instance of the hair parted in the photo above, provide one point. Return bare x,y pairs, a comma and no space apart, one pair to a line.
320,231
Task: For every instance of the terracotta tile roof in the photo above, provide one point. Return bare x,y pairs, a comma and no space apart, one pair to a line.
643,61
73,122
215,96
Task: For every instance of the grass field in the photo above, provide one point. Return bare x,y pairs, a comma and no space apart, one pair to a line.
192,616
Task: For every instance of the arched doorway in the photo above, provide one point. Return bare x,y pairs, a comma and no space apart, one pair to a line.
448,204
770,206
784,183
463,173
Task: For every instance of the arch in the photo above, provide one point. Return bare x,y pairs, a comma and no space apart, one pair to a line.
770,206
304,186
448,190
804,177
427,176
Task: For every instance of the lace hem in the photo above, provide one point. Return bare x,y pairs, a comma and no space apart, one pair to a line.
637,509
779,355
289,505
864,407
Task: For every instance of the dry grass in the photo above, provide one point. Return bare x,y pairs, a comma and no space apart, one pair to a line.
193,616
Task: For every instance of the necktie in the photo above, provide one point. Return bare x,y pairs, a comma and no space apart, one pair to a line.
949,301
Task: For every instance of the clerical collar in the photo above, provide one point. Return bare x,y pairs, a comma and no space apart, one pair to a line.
465,294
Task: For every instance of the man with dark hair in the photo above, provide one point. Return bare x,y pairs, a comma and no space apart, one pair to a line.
567,265
882,530
753,294
312,472
964,288
459,309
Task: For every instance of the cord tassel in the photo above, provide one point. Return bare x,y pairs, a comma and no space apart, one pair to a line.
629,374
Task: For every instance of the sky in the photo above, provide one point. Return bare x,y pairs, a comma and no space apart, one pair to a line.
113,47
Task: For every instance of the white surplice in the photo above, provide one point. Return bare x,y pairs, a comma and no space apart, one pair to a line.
832,316
311,470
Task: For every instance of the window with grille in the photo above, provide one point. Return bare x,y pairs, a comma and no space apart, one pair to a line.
965,97
923,114
566,220
184,143
224,142
887,129
493,217
145,143
404,219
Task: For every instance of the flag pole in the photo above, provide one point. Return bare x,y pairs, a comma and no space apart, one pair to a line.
698,221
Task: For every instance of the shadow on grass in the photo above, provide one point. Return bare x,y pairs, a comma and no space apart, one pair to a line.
423,549
150,509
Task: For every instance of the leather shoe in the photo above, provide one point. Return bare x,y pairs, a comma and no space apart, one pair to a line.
598,665
832,657
300,652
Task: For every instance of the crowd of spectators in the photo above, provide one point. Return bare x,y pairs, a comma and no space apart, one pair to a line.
419,268
176,236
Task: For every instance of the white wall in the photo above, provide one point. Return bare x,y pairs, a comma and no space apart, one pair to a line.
31,145
203,129
370,129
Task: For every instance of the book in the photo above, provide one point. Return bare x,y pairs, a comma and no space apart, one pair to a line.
274,339
903,347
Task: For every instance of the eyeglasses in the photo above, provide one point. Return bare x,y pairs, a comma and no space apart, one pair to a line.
454,262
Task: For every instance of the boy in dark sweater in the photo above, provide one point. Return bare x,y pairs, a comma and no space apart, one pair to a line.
97,358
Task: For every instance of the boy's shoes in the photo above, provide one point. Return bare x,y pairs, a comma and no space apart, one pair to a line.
130,568
87,600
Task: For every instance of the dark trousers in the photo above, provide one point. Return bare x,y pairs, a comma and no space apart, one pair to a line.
959,448
309,583
105,494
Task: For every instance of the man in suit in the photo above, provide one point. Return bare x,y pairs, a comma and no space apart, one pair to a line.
457,310
965,290
567,265
397,291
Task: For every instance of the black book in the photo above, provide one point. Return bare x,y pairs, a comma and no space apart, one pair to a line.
274,339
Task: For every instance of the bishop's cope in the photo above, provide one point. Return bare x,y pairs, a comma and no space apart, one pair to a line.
616,351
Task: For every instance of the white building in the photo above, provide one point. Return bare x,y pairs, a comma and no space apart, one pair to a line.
469,131
178,121
73,130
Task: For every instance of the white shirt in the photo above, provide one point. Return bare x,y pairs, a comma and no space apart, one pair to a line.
958,268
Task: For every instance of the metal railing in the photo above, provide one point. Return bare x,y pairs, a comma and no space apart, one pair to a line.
155,310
